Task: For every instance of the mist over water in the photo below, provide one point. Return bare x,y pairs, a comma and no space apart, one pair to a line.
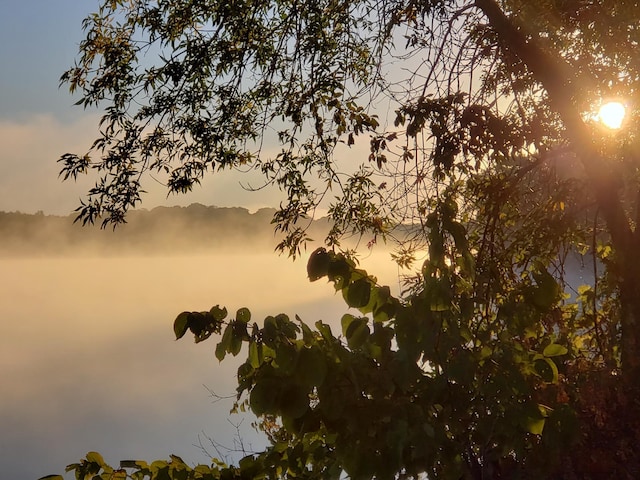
88,359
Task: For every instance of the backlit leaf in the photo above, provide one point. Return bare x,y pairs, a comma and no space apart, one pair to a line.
554,350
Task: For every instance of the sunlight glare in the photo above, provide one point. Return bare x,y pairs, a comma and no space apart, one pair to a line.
611,115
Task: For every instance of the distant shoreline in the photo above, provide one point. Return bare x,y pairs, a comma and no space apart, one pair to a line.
161,230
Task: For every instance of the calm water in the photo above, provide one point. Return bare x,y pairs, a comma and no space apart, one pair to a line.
88,360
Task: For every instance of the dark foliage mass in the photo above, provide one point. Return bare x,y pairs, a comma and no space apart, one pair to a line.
481,148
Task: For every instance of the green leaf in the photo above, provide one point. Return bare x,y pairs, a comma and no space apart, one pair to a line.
139,464
225,344
357,294
325,331
52,477
255,354
263,398
339,272
307,334
357,333
243,315
286,326
311,369
346,320
176,460
95,457
535,425
286,357
554,350
270,331
218,313
238,335
197,322
181,325
459,234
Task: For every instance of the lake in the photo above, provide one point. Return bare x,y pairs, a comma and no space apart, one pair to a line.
88,359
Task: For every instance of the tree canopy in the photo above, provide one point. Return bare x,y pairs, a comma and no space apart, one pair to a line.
482,148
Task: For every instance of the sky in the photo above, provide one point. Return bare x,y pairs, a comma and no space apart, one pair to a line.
38,122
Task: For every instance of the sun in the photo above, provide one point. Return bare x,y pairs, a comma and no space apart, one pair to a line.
611,114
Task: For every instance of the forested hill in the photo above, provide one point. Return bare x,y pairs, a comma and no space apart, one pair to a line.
167,230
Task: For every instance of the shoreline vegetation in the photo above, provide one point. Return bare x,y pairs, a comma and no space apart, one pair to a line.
161,230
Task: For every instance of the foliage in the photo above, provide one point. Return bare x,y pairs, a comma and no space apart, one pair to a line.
495,362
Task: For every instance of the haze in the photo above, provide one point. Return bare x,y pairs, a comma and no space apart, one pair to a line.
88,359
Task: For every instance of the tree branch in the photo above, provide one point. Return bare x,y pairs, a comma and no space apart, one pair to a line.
556,76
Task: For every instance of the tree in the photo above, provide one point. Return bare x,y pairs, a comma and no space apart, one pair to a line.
489,365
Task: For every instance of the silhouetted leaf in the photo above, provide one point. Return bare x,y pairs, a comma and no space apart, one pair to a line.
318,264
181,325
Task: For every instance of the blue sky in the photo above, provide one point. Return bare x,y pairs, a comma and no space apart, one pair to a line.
38,121
38,40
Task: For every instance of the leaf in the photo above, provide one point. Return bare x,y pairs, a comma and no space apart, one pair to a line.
224,346
176,460
238,334
535,425
220,352
218,313
52,477
263,398
307,335
554,350
547,289
181,325
311,369
357,294
546,369
339,271
286,357
243,315
346,320
95,457
358,333
325,331
286,326
294,401
318,264
270,331
255,354
197,322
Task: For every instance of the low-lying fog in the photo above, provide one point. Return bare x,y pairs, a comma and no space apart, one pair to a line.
88,359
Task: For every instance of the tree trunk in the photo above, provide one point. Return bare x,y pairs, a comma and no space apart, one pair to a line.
556,77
